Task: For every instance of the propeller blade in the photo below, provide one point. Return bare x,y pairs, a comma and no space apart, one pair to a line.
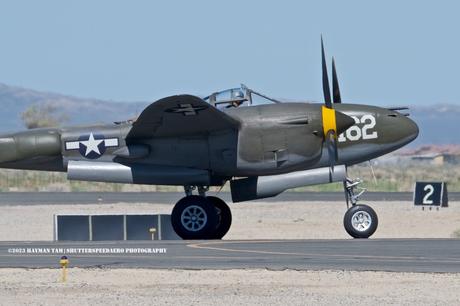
334,122
326,89
335,85
331,144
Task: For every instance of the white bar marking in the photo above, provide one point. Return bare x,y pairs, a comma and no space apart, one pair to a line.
111,142
72,145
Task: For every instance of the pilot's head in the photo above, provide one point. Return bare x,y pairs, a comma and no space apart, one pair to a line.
239,94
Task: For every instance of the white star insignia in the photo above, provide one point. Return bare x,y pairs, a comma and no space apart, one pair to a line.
92,145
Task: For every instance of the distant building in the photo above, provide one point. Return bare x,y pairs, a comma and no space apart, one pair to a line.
438,159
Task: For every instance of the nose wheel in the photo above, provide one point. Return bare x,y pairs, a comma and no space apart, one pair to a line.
201,217
360,221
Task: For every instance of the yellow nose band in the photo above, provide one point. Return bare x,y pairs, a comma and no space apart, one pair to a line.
329,122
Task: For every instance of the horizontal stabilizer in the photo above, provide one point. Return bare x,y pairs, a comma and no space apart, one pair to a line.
397,108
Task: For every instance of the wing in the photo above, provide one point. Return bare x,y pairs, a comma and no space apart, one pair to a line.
180,116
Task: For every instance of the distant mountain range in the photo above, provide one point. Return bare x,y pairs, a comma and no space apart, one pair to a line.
438,123
15,100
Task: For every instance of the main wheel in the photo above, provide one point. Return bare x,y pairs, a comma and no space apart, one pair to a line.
360,221
194,217
224,218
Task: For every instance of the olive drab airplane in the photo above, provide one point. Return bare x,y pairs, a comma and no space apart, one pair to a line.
260,145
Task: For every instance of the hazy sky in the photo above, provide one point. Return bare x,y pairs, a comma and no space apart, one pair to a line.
387,52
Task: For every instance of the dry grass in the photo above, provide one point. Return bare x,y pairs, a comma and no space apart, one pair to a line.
456,234
389,177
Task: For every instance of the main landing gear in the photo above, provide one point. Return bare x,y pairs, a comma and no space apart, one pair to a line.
200,216
360,221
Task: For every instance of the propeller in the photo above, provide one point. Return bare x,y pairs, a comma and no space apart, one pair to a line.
334,122
335,84
326,90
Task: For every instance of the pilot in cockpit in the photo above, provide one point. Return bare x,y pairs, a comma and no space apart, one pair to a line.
238,99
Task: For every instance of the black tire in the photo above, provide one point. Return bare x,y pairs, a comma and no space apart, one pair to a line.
224,218
186,209
368,221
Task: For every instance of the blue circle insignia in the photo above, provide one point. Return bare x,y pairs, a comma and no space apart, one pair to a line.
92,146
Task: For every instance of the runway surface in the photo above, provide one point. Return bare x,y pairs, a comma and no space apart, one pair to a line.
401,255
65,198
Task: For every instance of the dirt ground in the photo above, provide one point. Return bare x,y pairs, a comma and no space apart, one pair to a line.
225,287
258,220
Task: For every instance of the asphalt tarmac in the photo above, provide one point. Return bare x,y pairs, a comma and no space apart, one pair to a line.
399,255
66,198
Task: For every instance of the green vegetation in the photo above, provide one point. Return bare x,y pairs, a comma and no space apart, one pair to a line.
388,177
456,234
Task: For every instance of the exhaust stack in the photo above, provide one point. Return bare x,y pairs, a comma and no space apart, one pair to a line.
259,187
113,172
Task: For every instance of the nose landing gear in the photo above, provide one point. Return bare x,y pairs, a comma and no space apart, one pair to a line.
201,217
360,221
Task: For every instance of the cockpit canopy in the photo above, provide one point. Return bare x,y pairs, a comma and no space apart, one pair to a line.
236,97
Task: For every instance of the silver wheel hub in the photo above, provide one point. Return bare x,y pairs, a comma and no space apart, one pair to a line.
361,221
194,218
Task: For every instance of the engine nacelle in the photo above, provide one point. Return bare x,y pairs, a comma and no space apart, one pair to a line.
30,144
260,187
113,172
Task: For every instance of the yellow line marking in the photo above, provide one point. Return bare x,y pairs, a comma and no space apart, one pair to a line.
205,245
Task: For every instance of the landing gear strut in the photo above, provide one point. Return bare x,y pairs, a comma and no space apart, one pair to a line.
199,216
360,221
